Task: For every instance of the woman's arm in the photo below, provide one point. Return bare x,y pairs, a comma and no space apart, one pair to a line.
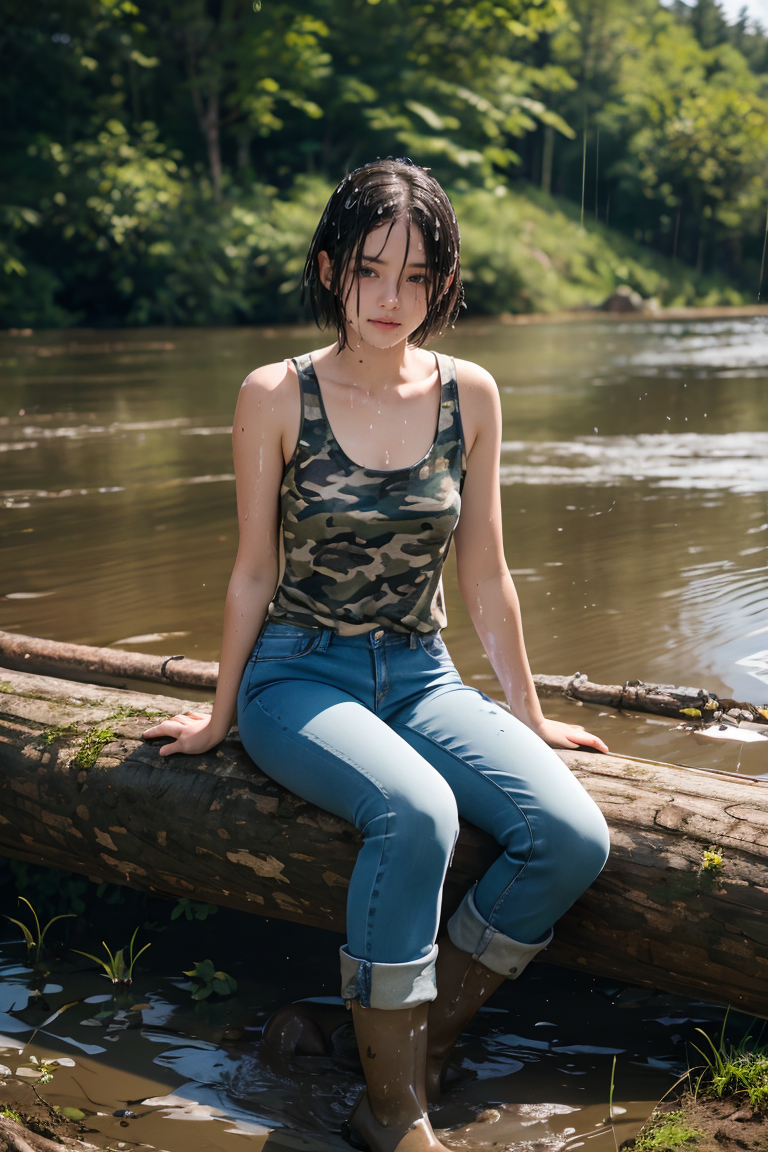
263,419
484,580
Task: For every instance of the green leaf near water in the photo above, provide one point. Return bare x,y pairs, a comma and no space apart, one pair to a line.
73,1113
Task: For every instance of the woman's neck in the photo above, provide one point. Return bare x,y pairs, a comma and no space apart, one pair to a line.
378,368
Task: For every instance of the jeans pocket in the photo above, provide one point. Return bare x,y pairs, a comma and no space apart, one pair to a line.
283,642
433,646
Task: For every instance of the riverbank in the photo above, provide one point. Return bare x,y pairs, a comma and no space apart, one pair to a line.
691,1124
692,313
523,253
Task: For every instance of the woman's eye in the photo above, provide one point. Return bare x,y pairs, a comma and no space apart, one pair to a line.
366,272
418,278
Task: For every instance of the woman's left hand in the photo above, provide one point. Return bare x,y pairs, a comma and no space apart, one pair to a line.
560,735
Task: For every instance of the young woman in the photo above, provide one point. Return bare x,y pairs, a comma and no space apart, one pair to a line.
360,456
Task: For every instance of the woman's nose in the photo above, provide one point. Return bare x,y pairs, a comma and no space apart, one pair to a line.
390,294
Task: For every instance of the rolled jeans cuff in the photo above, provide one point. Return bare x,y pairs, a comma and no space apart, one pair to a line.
471,933
388,985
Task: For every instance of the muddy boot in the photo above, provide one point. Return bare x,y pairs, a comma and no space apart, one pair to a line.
463,986
391,1113
306,1028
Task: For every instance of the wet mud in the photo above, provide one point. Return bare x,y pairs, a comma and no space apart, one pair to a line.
152,1067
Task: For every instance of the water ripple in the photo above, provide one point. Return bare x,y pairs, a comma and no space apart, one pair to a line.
732,461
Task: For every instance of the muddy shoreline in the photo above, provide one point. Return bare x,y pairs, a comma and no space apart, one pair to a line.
727,1125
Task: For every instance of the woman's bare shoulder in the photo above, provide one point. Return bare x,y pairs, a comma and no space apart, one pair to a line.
474,376
270,377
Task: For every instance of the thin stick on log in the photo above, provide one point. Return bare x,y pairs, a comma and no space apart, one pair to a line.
115,667
681,905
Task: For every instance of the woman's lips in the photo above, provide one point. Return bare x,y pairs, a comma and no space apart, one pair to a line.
386,325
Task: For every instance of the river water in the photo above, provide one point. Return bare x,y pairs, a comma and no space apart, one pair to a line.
635,493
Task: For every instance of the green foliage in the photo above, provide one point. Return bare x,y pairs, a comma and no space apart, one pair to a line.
117,968
91,746
58,732
42,1071
206,981
173,164
735,1069
525,253
34,941
192,909
10,1114
666,1132
49,889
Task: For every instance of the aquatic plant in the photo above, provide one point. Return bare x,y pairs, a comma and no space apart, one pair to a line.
41,1071
35,943
206,980
115,967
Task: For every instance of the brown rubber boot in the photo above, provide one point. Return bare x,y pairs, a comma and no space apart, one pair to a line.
463,986
391,1113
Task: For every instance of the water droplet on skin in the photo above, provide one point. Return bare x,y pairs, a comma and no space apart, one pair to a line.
380,209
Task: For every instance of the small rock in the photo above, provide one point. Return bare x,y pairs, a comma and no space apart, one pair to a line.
624,299
742,1114
490,1116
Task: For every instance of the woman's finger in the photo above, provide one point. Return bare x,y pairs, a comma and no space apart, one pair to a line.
591,741
174,726
167,728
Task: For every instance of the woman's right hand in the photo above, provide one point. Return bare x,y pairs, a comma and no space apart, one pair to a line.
191,734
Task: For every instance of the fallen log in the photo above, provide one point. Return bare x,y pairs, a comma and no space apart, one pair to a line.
116,667
682,904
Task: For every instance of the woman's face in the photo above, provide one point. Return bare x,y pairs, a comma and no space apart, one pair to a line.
386,293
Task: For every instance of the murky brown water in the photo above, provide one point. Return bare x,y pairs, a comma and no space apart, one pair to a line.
535,1066
635,469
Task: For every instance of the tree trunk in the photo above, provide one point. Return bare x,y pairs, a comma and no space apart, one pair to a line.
681,905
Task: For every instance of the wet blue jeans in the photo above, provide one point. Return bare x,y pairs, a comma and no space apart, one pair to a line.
380,730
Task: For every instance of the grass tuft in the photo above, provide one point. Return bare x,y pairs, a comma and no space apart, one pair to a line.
666,1132
735,1069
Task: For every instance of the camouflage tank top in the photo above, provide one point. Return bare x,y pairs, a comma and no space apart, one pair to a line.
365,548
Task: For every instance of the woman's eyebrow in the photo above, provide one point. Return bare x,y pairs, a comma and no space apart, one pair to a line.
377,260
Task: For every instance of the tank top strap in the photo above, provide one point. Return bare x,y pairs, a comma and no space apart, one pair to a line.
450,434
315,429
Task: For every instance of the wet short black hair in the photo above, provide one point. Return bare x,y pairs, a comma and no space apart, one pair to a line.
369,198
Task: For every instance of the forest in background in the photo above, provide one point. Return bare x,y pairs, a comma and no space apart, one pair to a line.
166,161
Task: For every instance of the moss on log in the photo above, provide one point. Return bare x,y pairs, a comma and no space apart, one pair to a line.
682,904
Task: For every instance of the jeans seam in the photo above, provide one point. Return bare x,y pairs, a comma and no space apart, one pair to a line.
502,895
376,784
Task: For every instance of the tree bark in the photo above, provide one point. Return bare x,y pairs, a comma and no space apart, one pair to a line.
80,790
